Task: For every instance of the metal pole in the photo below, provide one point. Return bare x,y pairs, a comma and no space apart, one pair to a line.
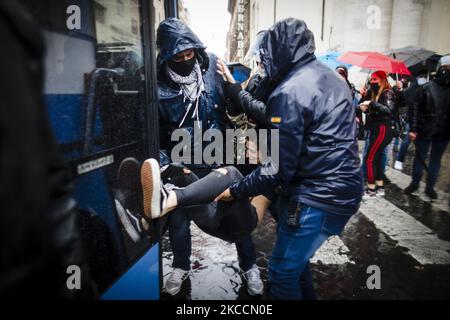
171,7
274,11
396,75
151,109
323,20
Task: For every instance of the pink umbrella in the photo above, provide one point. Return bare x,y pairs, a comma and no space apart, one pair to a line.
375,61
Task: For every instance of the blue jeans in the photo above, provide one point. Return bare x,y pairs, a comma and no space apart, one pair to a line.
404,146
438,148
386,154
296,245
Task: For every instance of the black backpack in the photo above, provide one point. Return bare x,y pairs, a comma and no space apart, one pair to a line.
398,124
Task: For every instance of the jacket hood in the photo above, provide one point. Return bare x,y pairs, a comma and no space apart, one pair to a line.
288,43
173,36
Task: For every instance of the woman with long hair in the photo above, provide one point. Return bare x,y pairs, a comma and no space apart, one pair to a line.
379,107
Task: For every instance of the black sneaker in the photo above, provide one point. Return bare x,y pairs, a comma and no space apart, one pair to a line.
411,188
127,199
134,223
430,192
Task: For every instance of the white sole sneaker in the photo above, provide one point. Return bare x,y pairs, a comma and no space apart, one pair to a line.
151,188
175,281
381,193
368,197
398,165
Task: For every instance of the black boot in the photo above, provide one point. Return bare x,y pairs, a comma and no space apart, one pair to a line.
431,193
128,199
411,188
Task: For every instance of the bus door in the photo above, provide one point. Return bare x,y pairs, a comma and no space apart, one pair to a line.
99,92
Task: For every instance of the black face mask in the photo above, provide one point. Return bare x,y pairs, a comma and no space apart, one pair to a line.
183,68
375,87
443,76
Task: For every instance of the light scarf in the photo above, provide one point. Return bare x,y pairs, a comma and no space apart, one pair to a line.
192,87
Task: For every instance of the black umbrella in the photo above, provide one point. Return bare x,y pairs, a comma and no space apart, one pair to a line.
410,55
425,67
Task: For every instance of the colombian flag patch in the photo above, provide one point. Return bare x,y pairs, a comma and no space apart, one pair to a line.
275,120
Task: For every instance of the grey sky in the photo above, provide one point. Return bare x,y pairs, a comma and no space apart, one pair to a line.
210,20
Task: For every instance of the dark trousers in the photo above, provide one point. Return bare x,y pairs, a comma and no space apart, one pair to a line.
404,146
229,221
380,137
438,148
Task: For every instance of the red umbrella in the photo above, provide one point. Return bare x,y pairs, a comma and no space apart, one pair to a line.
374,60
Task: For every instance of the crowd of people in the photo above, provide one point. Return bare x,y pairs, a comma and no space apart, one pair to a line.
418,112
414,109
312,188
318,182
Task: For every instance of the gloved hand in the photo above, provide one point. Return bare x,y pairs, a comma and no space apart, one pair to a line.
231,91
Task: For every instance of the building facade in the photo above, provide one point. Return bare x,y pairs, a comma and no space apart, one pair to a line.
343,25
238,37
116,21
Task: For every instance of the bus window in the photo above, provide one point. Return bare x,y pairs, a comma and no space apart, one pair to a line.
94,91
115,107
94,73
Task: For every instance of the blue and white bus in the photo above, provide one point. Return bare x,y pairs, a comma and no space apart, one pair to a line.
100,90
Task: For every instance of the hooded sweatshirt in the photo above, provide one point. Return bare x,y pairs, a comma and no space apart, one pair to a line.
175,110
310,107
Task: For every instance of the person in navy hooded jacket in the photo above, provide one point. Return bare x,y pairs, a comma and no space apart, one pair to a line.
318,168
191,98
